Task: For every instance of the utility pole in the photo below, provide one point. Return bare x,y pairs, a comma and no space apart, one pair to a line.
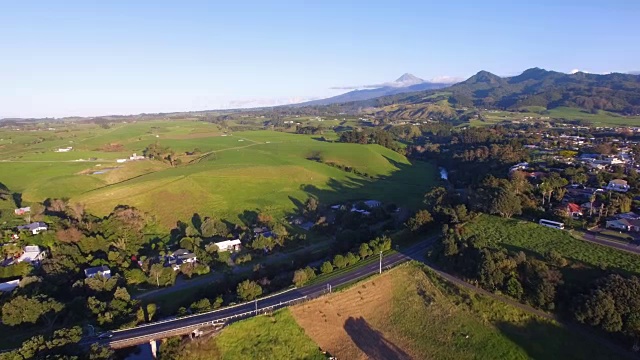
256,302
380,262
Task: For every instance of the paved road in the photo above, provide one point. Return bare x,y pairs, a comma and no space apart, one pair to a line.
602,240
149,330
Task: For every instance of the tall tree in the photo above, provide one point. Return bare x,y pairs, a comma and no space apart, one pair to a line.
22,309
248,290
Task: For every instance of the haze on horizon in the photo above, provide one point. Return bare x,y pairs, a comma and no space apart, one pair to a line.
76,58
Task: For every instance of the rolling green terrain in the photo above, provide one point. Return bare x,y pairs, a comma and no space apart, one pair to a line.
445,321
516,235
610,99
601,118
419,315
249,170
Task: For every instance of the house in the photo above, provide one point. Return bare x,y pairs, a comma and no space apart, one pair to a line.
179,257
35,228
9,286
574,210
618,185
363,212
103,271
264,231
228,245
373,203
619,224
520,166
184,256
32,254
21,211
135,157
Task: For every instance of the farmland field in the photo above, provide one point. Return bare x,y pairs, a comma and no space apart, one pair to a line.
408,313
601,118
231,173
516,235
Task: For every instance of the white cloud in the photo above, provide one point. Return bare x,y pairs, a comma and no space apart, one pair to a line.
265,102
438,79
371,86
445,79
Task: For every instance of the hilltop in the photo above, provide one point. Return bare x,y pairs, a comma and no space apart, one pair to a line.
550,89
616,93
404,84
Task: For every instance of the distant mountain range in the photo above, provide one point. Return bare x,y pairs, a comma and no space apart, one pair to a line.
614,92
404,84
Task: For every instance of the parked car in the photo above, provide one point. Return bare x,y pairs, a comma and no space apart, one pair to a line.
105,335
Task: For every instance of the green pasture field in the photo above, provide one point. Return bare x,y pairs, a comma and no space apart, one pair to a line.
534,239
602,118
248,170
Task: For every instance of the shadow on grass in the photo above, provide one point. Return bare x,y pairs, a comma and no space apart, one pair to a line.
579,272
545,340
371,341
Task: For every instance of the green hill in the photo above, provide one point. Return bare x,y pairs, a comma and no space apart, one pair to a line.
232,172
406,313
617,93
269,171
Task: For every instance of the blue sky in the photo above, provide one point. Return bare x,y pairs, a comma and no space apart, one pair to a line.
87,58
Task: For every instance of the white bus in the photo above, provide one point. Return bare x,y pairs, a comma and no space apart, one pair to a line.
551,224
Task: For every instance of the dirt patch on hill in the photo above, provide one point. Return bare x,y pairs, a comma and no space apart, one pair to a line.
350,324
113,147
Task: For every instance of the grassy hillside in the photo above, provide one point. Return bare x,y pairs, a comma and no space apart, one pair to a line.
264,337
252,170
410,313
516,235
600,118
407,313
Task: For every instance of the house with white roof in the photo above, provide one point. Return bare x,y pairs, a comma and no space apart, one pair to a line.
32,254
228,245
9,286
35,228
618,185
103,271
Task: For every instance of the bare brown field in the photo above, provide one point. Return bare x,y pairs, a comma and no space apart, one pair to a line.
350,324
